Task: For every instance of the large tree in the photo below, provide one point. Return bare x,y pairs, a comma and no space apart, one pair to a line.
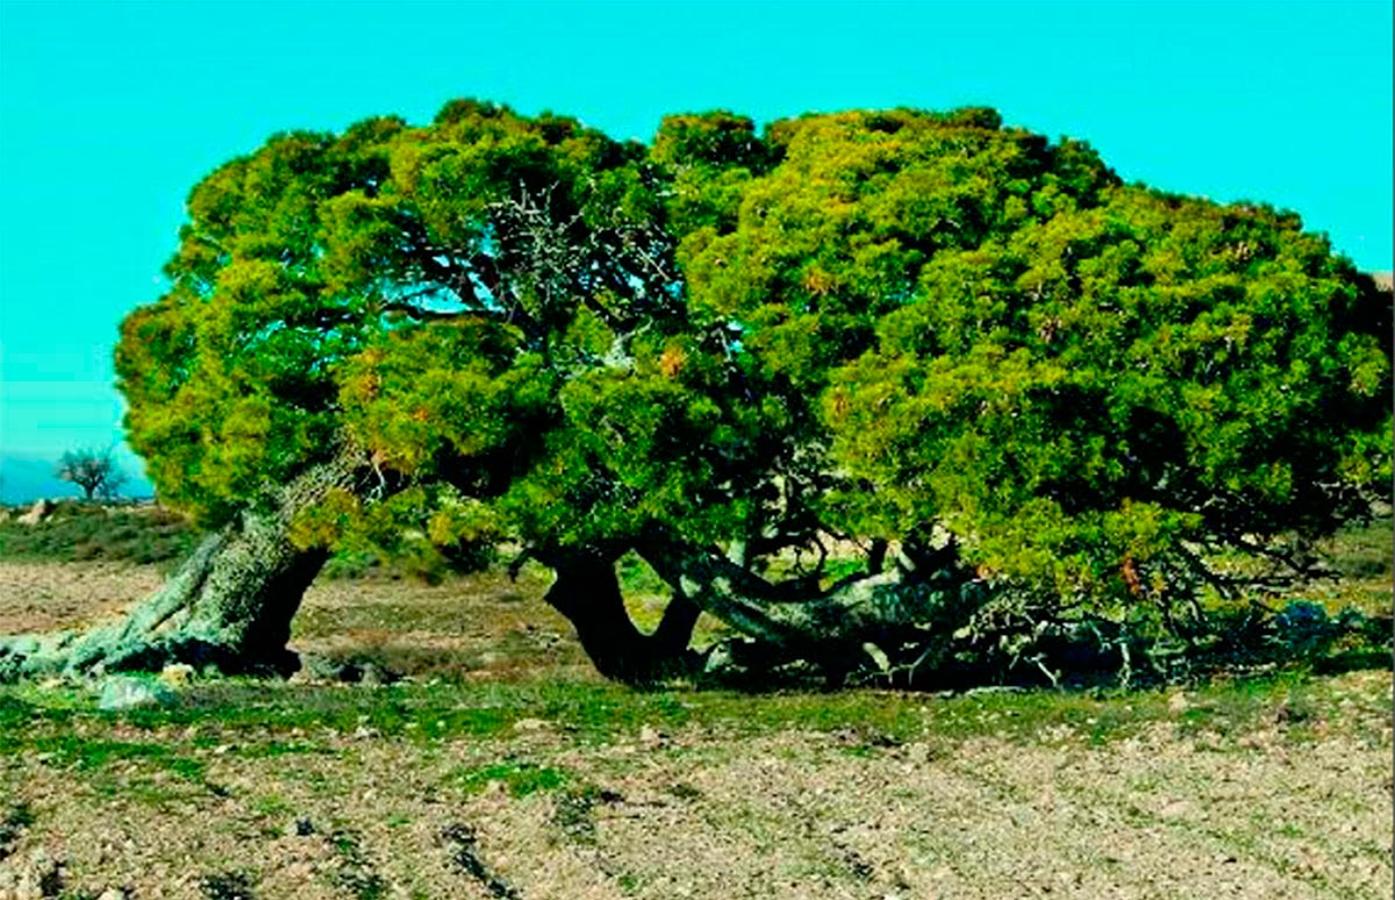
867,386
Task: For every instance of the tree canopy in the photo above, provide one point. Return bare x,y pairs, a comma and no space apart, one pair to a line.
950,345
95,472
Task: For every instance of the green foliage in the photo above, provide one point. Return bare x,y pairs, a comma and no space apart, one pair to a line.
1115,382
898,325
309,282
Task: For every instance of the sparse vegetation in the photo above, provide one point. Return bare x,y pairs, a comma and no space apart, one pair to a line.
80,532
519,779
537,764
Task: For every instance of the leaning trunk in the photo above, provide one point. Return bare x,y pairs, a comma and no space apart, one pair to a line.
229,605
588,594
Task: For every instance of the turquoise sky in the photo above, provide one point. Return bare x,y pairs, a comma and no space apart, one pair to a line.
110,112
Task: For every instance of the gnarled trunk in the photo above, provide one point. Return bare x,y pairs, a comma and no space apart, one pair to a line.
904,617
229,605
587,592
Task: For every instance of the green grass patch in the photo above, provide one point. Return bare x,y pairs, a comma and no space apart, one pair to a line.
273,806
1364,551
86,754
266,720
518,778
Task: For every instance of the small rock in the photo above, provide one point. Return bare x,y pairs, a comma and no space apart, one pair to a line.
112,894
318,668
123,692
1177,703
177,675
43,877
37,513
720,659
531,725
651,737
371,676
1175,809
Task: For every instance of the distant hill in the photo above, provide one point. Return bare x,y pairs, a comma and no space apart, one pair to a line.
24,479
1383,280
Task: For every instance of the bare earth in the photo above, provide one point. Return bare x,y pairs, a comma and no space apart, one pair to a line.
1296,804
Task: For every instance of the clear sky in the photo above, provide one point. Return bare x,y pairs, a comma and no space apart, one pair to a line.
110,112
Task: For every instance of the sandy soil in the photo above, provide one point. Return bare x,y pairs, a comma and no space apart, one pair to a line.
51,596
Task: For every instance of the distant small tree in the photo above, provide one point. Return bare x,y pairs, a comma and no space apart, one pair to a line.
95,471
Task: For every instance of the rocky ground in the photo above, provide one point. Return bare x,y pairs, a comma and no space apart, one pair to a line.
502,768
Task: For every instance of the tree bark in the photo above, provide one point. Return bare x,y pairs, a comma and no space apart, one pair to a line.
229,605
890,618
587,592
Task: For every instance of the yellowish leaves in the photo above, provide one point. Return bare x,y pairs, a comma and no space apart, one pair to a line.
323,524
839,405
441,529
819,282
672,361
1131,579
362,388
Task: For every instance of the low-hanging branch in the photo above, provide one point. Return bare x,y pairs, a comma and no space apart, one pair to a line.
889,606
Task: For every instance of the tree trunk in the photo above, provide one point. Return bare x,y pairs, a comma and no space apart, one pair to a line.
588,594
229,605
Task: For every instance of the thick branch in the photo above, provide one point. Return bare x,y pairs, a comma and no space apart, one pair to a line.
885,609
588,594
